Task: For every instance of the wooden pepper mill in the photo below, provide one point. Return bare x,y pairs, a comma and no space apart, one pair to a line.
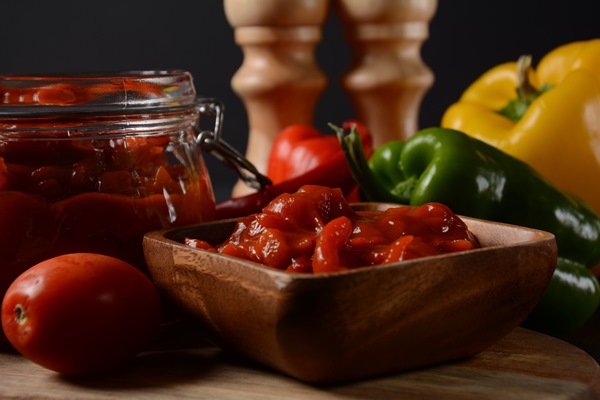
279,80
387,79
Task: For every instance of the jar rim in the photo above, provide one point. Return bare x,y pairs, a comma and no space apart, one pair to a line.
23,95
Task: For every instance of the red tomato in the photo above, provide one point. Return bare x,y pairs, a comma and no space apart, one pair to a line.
81,313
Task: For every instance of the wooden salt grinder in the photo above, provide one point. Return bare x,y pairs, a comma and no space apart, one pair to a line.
279,80
387,79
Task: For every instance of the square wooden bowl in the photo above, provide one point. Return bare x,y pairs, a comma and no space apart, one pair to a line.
324,328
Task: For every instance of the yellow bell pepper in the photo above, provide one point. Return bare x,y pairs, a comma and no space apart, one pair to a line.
548,117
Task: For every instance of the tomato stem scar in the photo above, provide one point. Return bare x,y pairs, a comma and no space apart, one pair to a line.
20,314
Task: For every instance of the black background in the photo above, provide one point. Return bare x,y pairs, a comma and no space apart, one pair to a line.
466,38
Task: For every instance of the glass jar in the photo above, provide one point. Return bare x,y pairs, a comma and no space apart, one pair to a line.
89,163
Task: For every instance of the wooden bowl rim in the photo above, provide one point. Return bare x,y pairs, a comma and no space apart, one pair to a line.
539,237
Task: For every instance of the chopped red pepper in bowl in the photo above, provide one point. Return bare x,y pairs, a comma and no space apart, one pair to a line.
316,230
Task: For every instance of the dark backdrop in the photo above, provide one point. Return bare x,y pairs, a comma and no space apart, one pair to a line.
466,38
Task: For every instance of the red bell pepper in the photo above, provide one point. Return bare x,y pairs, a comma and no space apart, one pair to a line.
301,156
300,148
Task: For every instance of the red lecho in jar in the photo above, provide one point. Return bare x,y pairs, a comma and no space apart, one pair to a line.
90,163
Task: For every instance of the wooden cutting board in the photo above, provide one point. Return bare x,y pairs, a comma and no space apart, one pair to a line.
523,365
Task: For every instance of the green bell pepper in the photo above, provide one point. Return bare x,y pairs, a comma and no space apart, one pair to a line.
480,181
569,300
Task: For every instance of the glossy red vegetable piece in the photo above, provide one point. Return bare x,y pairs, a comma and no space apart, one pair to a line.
316,230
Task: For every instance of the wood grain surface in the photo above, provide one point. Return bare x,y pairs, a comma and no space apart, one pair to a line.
523,365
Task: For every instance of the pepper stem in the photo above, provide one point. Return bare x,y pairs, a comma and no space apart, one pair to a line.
351,145
526,92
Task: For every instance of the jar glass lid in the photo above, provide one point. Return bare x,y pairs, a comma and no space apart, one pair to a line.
123,92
